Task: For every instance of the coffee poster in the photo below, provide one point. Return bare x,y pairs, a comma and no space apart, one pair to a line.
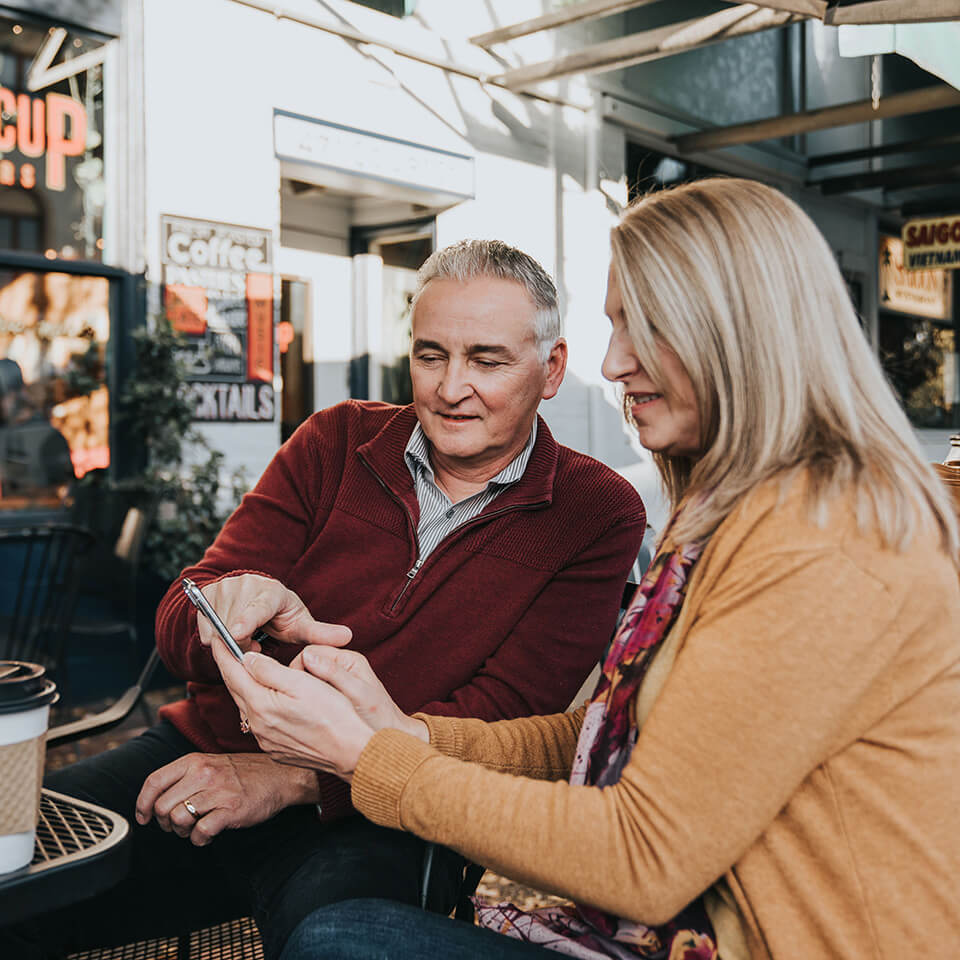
218,294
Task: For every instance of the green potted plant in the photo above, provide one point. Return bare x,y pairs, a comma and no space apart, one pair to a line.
179,468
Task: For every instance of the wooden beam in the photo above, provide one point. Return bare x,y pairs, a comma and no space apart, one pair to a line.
896,105
924,175
809,8
886,150
745,18
892,11
871,11
558,18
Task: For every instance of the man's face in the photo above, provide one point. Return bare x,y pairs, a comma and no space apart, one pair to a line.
477,378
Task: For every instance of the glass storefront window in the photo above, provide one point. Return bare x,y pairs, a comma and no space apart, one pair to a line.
917,356
54,400
403,253
296,356
51,142
917,341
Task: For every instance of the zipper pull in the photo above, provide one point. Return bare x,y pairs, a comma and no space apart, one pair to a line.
412,572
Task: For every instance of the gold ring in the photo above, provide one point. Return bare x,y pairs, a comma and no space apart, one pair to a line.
244,725
192,810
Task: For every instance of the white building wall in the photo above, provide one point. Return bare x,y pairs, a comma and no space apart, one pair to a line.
208,133
216,70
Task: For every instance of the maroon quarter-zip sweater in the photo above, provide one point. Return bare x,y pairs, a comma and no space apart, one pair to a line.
504,619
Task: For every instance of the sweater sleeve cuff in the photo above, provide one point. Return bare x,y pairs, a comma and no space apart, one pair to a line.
446,733
387,763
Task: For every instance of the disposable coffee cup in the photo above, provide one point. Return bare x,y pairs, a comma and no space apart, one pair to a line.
26,693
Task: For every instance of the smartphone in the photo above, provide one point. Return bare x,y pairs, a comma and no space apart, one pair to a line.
202,604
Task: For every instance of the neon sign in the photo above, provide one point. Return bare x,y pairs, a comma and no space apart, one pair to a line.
54,127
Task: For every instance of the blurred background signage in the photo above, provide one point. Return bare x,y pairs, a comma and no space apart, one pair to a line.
53,127
218,293
922,293
933,242
52,188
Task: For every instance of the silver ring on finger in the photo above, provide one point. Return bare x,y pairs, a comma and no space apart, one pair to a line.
191,809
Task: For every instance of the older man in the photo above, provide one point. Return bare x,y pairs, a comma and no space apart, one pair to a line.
476,563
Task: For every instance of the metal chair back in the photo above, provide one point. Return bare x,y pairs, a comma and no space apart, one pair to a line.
119,519
38,590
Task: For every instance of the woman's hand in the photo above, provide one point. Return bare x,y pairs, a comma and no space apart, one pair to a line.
296,717
248,601
351,674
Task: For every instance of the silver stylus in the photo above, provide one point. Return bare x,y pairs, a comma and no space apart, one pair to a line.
202,604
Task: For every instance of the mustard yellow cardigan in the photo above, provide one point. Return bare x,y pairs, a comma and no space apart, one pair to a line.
799,755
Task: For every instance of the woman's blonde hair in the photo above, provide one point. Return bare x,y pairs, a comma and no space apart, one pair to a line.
735,278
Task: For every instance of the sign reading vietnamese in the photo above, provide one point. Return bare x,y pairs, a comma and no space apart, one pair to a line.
933,243
922,293
218,293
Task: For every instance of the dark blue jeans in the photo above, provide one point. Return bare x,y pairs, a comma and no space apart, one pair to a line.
381,930
278,871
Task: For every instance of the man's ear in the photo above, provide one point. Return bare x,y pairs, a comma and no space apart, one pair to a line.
556,368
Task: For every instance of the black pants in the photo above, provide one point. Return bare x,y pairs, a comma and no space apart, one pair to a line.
278,871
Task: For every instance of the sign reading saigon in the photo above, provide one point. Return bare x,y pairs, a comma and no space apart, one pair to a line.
932,243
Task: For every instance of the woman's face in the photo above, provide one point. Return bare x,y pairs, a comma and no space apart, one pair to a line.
666,415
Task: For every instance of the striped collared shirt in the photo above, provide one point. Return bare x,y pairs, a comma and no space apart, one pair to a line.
439,516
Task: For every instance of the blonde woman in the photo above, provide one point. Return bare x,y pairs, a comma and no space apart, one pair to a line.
769,767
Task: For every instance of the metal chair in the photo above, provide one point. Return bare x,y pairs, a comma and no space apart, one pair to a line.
235,940
38,591
118,517
110,717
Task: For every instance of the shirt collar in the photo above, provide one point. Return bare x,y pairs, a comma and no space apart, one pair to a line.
417,457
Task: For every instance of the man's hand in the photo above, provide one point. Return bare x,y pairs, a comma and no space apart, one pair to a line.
227,790
248,601
296,717
350,673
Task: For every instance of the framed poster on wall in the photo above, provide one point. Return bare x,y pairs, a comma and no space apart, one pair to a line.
218,294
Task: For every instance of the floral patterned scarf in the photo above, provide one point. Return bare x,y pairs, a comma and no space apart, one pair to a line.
607,737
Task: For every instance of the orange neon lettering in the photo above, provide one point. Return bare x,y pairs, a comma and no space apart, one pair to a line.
28,176
59,145
8,134
260,327
30,135
8,173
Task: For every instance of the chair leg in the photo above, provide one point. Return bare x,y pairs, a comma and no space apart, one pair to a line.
146,711
472,875
425,878
471,880
183,946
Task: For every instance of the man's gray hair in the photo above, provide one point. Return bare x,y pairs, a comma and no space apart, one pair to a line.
473,259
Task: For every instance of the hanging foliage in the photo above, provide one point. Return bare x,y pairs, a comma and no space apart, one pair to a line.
180,468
